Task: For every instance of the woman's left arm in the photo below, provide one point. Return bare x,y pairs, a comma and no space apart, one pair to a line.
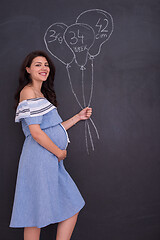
82,115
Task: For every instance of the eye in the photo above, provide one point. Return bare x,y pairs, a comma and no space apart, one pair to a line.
38,65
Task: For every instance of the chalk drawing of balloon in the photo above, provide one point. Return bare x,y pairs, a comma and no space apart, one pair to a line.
79,42
102,23
56,45
79,37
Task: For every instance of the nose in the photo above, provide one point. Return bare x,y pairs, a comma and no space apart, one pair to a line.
44,67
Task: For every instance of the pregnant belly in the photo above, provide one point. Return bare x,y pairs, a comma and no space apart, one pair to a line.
58,135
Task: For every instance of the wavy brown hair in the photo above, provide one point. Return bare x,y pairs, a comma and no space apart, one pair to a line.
24,78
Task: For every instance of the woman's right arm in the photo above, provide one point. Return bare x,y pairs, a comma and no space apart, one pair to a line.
42,138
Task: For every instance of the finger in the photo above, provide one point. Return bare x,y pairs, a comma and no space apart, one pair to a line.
89,112
87,108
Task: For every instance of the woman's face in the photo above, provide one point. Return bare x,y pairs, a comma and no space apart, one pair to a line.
39,69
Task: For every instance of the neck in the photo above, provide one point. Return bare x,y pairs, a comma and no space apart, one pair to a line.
36,85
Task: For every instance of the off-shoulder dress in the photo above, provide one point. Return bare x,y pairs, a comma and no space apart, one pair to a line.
45,193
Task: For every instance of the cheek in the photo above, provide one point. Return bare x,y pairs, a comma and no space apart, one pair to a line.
33,71
36,71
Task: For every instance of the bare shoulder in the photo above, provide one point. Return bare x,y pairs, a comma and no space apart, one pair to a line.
26,93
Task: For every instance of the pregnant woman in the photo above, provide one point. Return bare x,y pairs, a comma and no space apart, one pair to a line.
45,192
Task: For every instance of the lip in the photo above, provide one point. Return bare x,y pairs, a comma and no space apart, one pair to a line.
43,73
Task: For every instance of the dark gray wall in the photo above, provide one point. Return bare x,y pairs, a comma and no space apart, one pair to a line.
120,180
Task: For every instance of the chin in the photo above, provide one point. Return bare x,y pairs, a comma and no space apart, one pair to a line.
43,80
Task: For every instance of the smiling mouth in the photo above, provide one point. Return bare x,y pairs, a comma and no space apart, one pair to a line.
43,74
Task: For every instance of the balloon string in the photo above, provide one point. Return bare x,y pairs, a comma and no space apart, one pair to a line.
94,127
90,135
69,77
86,137
86,122
84,101
91,93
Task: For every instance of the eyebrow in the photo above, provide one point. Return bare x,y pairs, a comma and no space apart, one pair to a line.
41,62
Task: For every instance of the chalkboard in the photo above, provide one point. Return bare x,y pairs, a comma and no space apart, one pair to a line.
114,160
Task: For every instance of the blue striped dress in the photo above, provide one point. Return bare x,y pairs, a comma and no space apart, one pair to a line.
45,193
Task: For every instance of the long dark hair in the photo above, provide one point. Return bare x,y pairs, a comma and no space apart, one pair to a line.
47,86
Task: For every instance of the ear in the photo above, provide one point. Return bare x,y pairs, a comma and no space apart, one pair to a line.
28,69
